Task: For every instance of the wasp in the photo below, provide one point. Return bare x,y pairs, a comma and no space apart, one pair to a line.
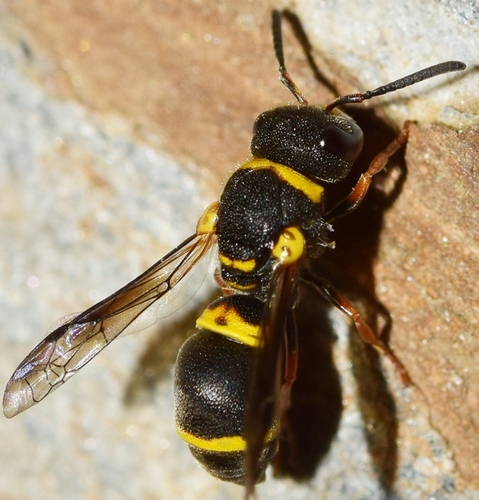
233,377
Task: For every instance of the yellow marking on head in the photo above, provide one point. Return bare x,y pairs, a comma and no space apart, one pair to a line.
290,246
242,265
225,320
312,190
207,222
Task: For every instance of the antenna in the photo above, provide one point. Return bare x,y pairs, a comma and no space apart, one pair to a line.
405,81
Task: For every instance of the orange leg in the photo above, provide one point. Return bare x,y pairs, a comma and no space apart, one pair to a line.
363,329
354,199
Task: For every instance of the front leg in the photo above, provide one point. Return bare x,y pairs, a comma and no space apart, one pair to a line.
356,196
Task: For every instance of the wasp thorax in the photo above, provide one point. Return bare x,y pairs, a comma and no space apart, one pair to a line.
317,144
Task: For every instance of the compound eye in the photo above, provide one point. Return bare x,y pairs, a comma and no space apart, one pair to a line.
339,142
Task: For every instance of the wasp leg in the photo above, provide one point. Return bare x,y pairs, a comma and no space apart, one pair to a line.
342,303
354,199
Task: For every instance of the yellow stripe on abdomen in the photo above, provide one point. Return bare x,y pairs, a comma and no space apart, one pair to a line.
225,320
223,444
226,444
246,266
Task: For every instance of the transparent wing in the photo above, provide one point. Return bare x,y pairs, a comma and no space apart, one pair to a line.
77,339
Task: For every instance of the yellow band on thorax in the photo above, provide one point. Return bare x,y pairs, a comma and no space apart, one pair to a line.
312,190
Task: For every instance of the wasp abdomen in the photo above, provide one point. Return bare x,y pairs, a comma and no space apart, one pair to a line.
211,379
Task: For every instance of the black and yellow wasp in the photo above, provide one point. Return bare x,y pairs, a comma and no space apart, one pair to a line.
233,377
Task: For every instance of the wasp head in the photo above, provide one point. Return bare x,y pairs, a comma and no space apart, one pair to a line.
319,145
